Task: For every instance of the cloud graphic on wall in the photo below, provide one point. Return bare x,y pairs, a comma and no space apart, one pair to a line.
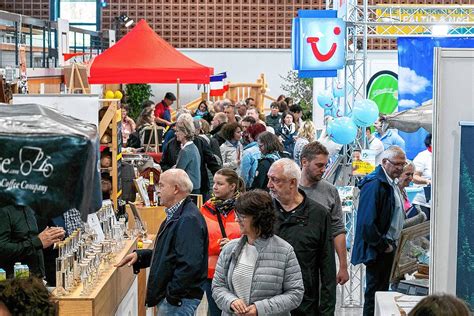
407,103
409,82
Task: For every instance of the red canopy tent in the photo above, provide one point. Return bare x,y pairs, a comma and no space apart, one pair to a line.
142,56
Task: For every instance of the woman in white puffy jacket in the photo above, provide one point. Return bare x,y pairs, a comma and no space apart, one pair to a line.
231,150
258,273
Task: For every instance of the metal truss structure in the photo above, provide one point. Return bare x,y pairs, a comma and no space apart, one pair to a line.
383,21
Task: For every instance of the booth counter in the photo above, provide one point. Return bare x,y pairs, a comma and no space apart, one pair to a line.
118,291
108,294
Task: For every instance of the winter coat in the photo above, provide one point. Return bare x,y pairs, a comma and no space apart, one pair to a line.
208,159
178,263
19,240
308,231
231,228
248,166
230,154
376,204
277,285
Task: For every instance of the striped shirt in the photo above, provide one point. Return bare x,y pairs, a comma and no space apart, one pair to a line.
243,272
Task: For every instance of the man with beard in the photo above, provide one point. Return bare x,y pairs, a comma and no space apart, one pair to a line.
314,158
306,225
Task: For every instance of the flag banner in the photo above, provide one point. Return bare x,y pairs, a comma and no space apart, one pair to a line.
217,86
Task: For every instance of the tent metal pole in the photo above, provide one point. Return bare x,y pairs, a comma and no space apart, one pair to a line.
177,94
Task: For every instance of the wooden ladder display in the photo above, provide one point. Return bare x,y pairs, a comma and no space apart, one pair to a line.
112,118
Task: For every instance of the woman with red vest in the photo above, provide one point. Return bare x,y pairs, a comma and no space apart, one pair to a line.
221,225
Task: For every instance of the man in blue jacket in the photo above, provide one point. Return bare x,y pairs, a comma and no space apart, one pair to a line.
380,219
178,263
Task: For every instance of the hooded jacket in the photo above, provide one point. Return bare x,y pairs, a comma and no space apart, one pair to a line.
376,205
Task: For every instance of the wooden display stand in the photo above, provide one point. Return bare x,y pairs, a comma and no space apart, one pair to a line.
112,119
105,298
152,215
75,77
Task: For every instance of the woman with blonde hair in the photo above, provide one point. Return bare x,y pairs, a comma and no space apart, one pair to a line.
219,213
306,135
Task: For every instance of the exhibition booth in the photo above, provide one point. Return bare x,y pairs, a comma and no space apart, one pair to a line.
432,93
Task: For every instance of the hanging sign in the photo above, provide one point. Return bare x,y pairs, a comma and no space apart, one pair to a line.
383,90
318,43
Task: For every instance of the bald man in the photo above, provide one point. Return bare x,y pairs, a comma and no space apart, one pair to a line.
178,263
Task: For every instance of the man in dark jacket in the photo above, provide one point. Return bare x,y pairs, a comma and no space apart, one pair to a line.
380,220
20,241
178,263
208,160
306,225
219,120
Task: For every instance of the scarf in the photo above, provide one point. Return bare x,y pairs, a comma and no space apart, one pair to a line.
273,156
224,206
201,113
288,130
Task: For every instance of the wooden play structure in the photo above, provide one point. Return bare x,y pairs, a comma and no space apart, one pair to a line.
238,92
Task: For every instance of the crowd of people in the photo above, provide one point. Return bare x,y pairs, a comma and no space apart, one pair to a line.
265,240
288,205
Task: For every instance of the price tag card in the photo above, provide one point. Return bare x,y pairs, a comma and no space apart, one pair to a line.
94,224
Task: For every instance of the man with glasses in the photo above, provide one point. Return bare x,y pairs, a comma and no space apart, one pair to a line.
380,220
314,158
305,225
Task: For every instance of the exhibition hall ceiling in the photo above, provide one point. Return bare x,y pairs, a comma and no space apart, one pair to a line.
261,24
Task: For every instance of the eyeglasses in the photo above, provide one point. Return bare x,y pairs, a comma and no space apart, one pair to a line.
240,217
398,164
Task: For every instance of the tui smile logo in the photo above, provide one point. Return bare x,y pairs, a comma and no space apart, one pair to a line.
318,43
313,41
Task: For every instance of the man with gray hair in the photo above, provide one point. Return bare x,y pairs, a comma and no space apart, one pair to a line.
306,225
178,262
380,218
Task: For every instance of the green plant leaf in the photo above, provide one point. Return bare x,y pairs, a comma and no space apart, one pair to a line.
136,95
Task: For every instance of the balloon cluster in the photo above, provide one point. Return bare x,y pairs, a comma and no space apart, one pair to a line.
109,94
343,129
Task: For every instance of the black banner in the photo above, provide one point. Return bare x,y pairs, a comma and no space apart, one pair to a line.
48,161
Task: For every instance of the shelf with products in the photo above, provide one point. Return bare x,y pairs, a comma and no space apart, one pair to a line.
110,135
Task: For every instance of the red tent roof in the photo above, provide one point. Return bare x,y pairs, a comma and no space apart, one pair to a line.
142,56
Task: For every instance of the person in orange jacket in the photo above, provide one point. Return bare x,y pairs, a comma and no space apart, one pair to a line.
219,214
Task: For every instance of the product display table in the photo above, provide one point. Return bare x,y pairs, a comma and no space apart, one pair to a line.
152,215
394,303
106,297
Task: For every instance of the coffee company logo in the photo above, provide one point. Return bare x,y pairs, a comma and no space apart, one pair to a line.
30,160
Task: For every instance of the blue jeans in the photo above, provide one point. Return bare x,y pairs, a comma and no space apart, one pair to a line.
187,308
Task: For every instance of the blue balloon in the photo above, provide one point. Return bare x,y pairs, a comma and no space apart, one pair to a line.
365,112
326,99
343,130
